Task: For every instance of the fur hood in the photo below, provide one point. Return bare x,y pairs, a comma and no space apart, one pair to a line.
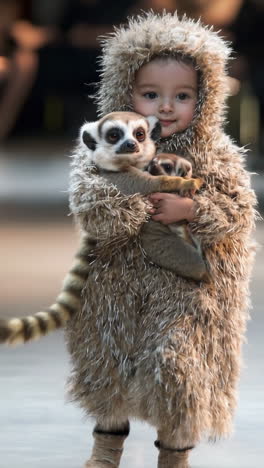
151,35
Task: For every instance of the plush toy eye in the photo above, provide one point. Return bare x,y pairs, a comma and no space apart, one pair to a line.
114,135
140,134
167,167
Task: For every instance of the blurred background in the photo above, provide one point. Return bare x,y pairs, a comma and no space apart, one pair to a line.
48,68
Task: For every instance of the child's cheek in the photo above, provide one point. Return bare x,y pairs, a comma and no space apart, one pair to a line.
143,106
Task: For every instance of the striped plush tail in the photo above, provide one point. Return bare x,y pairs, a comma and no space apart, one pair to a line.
68,303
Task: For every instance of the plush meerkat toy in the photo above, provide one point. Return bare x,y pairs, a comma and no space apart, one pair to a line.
118,148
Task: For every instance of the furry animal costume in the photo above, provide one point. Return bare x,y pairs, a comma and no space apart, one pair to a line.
148,344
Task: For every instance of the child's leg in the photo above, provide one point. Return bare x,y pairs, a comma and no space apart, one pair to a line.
171,455
108,446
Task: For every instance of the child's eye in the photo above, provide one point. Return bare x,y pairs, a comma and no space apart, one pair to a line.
182,96
150,95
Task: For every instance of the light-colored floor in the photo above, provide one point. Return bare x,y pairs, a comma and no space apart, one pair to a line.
39,429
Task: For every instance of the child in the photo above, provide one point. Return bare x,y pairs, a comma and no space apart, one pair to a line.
167,87
148,344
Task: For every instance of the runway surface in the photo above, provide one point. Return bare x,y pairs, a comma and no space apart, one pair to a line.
39,429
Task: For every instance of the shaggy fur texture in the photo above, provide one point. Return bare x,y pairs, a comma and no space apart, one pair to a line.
148,344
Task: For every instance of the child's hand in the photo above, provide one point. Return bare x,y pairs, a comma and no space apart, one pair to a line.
170,208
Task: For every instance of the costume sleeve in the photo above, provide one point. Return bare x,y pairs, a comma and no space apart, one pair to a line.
224,209
103,212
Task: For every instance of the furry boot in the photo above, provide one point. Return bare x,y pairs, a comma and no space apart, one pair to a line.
172,458
107,448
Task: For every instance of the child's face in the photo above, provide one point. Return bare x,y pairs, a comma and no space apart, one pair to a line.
167,89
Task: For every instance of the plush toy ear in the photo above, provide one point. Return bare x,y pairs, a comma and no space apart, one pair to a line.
154,127
88,140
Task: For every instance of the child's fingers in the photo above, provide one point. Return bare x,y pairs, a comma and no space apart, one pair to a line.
158,217
151,210
163,196
155,203
157,196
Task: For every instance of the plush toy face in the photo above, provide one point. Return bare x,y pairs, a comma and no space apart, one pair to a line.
120,140
170,164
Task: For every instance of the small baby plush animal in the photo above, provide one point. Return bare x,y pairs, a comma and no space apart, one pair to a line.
183,253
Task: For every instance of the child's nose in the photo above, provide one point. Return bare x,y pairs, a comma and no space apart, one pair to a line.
166,106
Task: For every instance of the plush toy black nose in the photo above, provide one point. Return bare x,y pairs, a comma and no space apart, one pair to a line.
154,168
129,146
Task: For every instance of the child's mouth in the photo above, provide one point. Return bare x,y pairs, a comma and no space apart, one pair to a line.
166,123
